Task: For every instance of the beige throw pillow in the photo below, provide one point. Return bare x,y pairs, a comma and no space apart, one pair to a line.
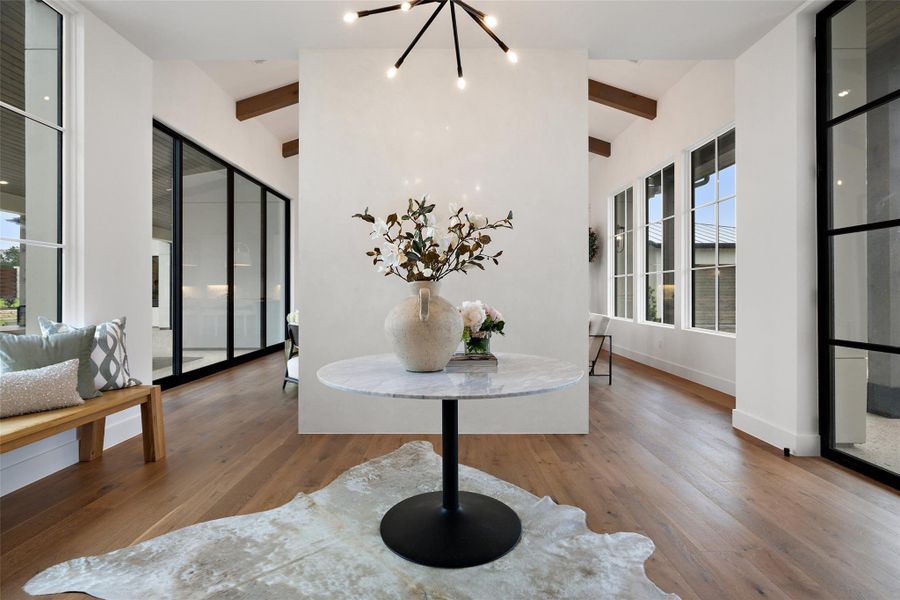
36,390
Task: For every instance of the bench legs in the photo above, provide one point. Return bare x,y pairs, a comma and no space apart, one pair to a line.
90,440
154,436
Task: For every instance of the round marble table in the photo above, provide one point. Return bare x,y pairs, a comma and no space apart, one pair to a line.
450,528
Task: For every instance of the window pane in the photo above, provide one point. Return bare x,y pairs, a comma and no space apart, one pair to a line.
654,297
620,208
654,195
30,31
629,290
161,257
703,298
726,165
629,199
205,260
703,173
866,286
629,253
727,237
866,389
620,297
620,254
29,166
669,191
247,265
704,233
653,248
276,303
726,299
864,47
28,286
668,244
669,298
866,186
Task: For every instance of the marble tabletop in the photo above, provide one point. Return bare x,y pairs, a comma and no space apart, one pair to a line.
517,375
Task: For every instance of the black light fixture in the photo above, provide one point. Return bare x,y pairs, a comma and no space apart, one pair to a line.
486,22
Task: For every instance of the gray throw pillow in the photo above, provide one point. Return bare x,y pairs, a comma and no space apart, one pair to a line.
36,390
21,352
109,357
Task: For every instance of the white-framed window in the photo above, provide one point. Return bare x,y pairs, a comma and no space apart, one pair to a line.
622,236
31,158
713,234
659,246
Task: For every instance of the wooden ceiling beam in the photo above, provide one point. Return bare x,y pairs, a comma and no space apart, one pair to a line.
599,147
620,99
291,148
266,102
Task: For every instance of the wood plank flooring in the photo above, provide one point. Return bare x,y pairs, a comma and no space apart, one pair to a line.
730,516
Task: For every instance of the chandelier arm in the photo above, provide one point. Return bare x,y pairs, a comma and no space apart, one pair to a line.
419,35
481,24
471,9
376,11
459,71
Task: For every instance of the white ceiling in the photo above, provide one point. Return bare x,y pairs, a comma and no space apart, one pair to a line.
625,29
243,78
644,46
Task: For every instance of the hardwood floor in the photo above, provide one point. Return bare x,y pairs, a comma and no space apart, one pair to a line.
730,516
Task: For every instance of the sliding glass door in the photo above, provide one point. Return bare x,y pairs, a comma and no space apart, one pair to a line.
858,116
220,258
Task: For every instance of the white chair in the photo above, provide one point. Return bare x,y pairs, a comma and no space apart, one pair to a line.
598,331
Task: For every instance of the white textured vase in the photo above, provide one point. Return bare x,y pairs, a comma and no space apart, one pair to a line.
424,329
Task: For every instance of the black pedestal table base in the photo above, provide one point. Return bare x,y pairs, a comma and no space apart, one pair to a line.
451,529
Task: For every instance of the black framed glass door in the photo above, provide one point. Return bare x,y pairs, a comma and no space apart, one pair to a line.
220,262
858,186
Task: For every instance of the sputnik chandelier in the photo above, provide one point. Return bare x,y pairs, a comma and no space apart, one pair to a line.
486,22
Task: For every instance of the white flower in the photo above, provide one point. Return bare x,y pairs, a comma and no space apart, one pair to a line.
478,221
390,256
427,272
493,313
379,228
448,241
473,315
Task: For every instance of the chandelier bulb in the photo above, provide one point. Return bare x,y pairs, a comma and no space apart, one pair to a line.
461,83
512,56
405,6
490,21
350,17
392,72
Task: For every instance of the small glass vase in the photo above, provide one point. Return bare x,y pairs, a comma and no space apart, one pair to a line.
479,343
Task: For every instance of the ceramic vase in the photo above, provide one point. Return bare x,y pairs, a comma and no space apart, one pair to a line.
424,329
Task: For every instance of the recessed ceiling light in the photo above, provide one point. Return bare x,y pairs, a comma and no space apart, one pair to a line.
47,98
843,93
4,182
840,182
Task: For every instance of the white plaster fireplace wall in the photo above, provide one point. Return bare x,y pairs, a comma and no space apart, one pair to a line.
515,139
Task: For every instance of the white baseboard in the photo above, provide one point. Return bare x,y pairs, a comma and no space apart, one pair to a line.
26,465
709,380
800,444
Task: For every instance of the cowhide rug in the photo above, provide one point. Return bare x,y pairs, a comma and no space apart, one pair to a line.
327,545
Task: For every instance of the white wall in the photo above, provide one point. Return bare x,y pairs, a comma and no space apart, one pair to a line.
107,220
693,110
186,99
514,139
776,279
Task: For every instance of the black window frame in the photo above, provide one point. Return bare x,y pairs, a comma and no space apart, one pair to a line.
825,234
178,376
60,128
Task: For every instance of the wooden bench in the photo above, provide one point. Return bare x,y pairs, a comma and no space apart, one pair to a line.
90,419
